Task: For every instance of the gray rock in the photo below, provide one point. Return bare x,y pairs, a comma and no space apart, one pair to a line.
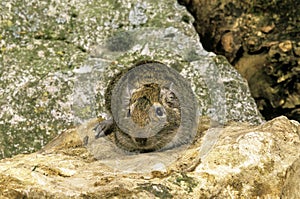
58,58
41,43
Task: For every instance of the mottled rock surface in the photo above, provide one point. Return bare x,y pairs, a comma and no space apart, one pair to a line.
292,184
244,162
57,58
42,42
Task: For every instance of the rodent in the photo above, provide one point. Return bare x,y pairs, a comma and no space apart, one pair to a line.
153,108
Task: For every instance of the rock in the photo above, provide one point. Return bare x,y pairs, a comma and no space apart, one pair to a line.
268,28
285,46
292,184
59,56
239,160
42,44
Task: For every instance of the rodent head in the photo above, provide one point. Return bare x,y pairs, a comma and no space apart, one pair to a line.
144,107
156,116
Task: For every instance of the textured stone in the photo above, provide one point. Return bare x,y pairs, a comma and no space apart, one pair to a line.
292,184
239,160
42,42
59,56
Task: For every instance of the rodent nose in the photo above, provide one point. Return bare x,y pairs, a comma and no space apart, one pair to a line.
141,141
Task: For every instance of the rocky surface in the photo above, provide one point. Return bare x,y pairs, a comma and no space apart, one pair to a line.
261,39
41,43
57,58
292,183
245,161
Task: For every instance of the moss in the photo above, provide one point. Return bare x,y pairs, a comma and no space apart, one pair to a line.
189,182
158,190
115,193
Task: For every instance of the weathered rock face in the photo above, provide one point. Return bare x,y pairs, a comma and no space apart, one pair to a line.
59,56
235,161
238,160
292,184
41,43
262,40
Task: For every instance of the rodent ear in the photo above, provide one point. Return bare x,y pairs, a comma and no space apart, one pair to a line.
127,94
129,89
169,86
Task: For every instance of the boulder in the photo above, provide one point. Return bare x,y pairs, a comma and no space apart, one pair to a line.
238,160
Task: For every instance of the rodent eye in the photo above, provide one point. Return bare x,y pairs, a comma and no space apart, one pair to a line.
171,96
159,111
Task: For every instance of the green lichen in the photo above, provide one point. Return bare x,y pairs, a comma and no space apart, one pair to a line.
183,180
157,190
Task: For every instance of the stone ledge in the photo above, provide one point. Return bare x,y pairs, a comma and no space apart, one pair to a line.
243,161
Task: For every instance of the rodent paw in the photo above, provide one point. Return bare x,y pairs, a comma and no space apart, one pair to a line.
103,128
